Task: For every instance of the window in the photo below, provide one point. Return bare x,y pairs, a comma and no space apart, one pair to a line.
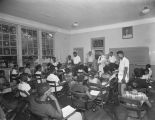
8,47
47,44
8,37
29,44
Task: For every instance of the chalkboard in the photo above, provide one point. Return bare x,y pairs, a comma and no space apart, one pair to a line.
136,55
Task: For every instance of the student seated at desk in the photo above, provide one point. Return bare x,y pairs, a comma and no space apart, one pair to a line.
53,77
42,104
68,76
21,71
93,77
14,70
27,69
135,95
146,75
38,71
23,86
148,66
78,86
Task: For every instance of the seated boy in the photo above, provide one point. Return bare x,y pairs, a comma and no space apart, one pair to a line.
45,104
23,86
93,77
78,86
135,95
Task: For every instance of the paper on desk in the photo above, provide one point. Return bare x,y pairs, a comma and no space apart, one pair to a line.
68,110
94,92
7,90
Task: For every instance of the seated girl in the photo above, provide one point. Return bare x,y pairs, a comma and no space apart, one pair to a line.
146,75
54,78
23,86
135,95
68,75
93,77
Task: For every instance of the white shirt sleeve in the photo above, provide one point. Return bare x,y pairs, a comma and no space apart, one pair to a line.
126,63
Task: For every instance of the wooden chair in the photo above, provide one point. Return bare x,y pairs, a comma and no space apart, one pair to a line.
100,98
132,105
55,86
80,101
38,78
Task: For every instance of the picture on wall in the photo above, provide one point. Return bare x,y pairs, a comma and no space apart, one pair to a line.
127,32
98,42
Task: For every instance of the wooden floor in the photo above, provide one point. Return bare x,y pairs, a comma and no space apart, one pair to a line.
110,112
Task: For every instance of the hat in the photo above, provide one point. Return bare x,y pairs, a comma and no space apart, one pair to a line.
42,88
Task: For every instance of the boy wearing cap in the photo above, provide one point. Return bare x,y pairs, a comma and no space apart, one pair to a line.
41,104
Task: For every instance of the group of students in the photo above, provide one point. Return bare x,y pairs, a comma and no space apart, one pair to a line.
76,76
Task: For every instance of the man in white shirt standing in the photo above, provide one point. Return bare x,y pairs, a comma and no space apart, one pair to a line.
101,62
123,74
112,58
76,58
90,59
76,62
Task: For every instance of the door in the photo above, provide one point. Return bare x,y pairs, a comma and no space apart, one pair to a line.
80,53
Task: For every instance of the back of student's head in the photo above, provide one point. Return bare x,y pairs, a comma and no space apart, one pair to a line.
21,69
15,66
38,67
138,72
67,70
106,69
52,69
42,88
148,66
24,77
27,65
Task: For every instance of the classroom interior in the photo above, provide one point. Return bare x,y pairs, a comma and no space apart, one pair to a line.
36,34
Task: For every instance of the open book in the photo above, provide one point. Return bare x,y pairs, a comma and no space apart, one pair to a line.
67,111
94,92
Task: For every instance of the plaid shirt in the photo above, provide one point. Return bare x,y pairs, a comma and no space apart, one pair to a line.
139,96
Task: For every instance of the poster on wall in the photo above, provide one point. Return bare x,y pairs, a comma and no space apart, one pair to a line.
127,32
98,45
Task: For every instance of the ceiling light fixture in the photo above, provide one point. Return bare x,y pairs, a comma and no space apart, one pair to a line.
75,24
146,10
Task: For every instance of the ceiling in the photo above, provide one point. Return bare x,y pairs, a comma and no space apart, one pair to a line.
88,13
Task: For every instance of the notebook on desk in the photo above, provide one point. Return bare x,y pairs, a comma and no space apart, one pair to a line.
67,111
94,92
6,90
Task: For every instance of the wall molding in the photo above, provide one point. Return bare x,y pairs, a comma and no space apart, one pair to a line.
113,26
30,23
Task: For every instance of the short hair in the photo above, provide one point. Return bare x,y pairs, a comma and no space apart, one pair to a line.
148,65
74,52
52,68
27,64
138,72
38,67
42,88
67,70
24,77
120,52
111,52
